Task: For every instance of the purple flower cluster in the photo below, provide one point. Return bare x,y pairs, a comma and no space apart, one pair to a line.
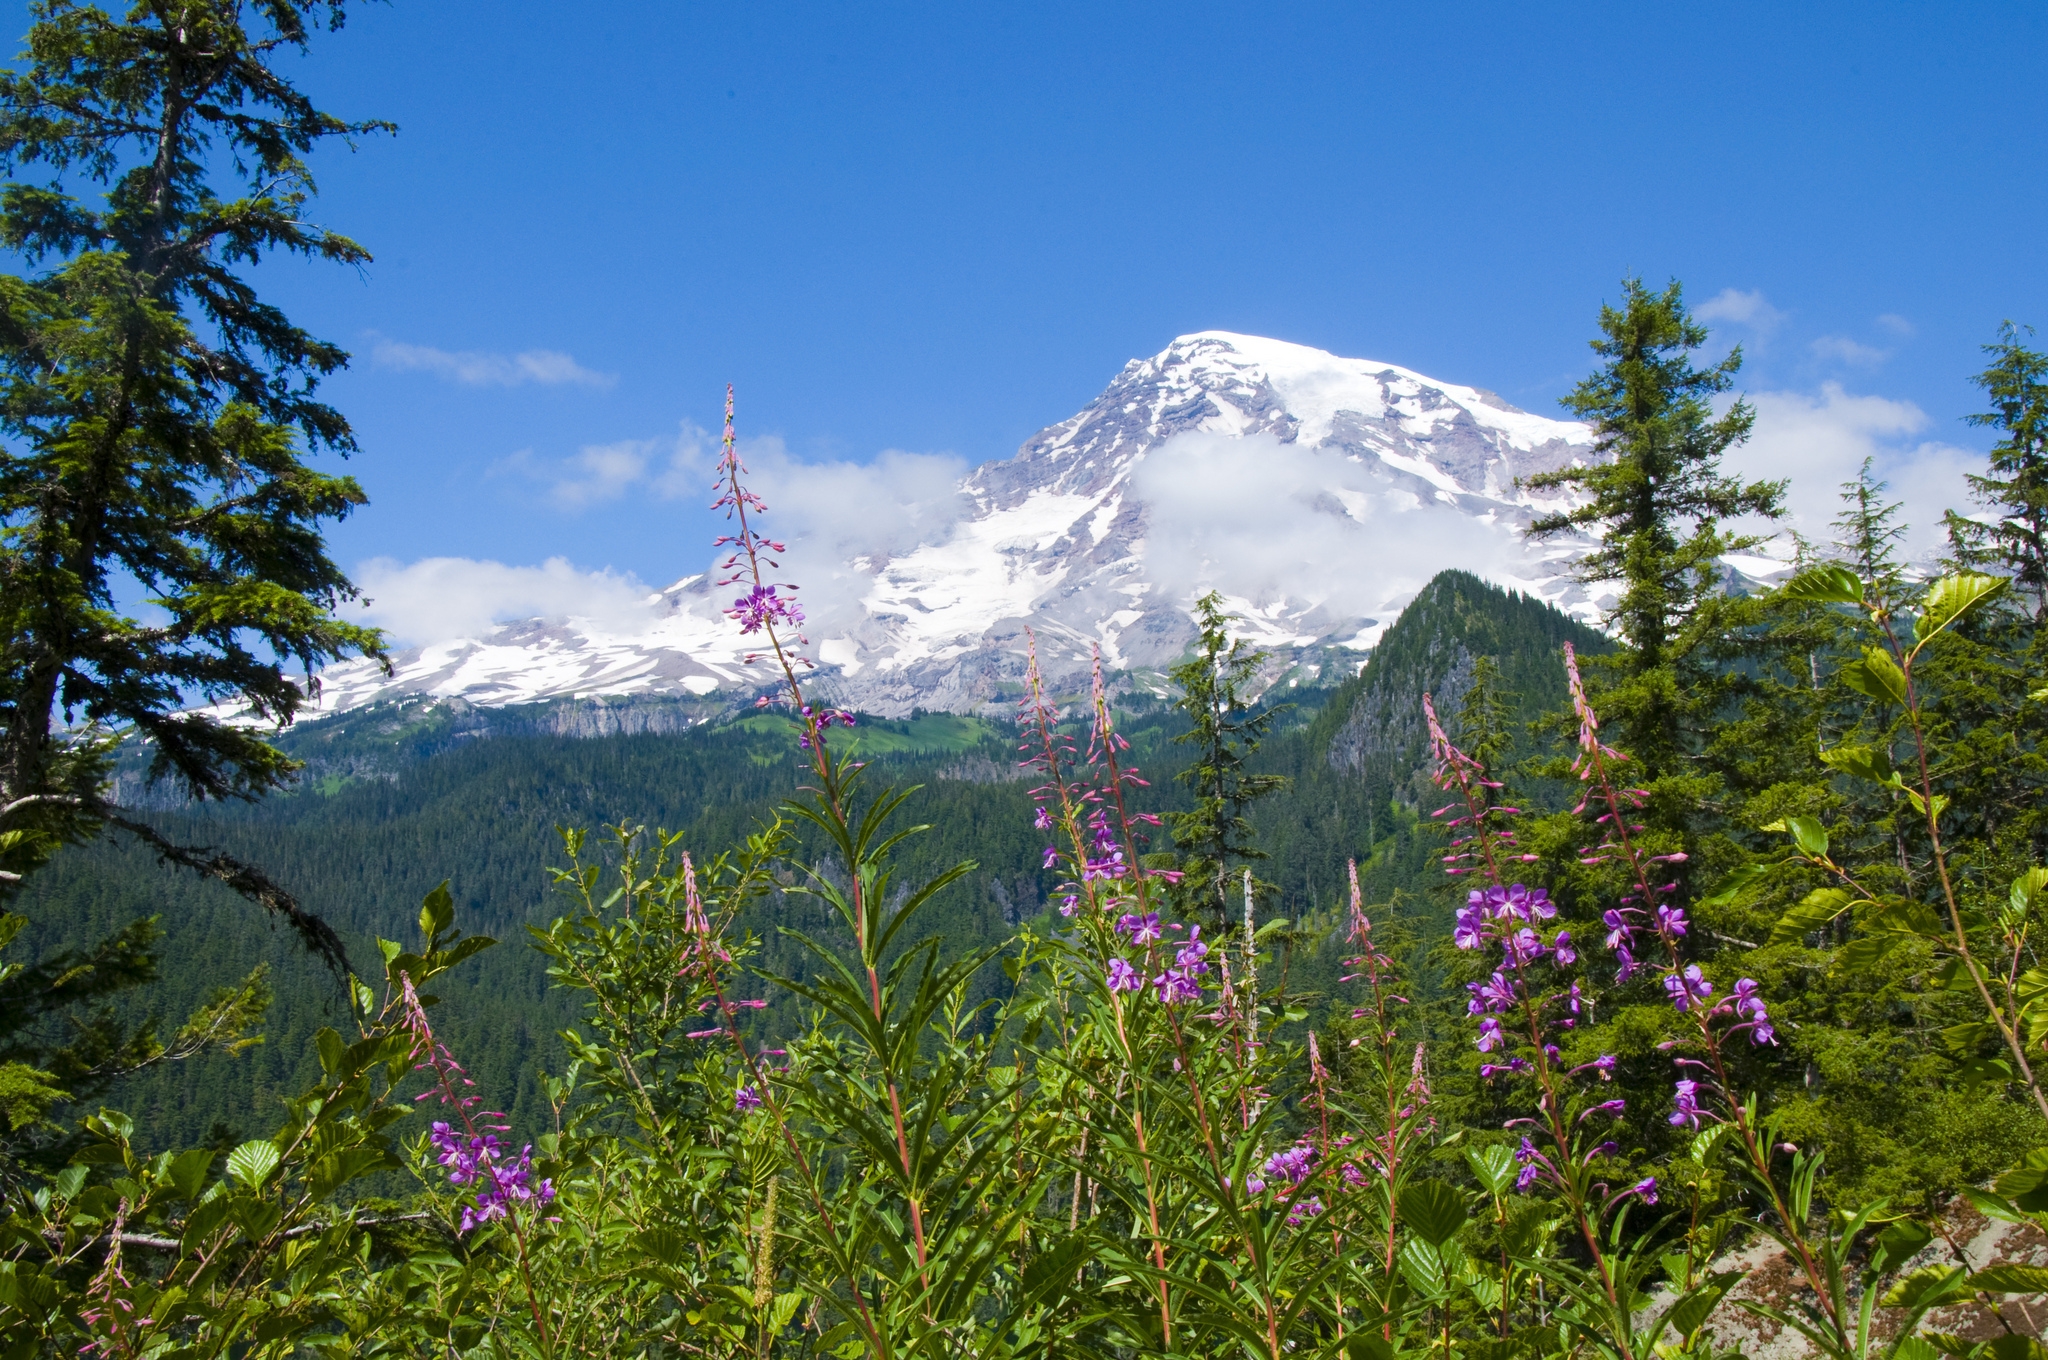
1688,988
1142,929
478,1159
762,606
1291,1165
1510,917
1301,1211
1175,985
745,1100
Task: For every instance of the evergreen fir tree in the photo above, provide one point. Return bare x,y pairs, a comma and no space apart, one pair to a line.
1217,835
2015,487
158,415
1659,502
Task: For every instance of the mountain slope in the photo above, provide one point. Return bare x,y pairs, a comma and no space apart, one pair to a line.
1317,493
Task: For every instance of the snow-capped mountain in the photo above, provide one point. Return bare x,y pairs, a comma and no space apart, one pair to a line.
1317,493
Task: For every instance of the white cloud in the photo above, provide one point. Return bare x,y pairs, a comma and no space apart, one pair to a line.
1819,440
601,472
844,512
1257,518
1744,309
1842,350
1896,324
473,368
437,599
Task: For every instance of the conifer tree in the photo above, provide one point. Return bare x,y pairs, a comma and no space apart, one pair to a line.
1659,502
1217,834
158,415
2015,487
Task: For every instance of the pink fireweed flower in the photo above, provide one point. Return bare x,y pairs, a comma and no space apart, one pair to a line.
746,1099
1192,953
1689,988
1123,977
1304,1210
1142,929
1175,987
1685,1105
1292,1165
1491,995
1750,1010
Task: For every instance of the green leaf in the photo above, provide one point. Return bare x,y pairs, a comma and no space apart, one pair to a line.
437,912
2012,1279
188,1171
1864,762
332,1050
1494,1167
2027,889
1732,886
1951,597
1994,1206
337,1169
1816,911
1876,675
1809,835
1423,1267
1902,1240
1435,1211
1687,1315
1830,584
665,1245
253,1161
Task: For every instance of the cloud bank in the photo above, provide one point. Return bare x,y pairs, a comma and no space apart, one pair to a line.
1257,518
440,599
1819,440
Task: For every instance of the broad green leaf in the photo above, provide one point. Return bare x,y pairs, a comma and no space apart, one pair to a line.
188,1171
1951,597
1902,1240
2012,1279
1928,1282
337,1169
437,911
1732,886
1867,950
1876,675
1423,1267
253,1161
1435,1211
1816,911
1830,584
1494,1166
1691,1311
1864,762
2027,889
1809,835
1993,1206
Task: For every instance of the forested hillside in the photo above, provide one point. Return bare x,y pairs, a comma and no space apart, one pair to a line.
397,798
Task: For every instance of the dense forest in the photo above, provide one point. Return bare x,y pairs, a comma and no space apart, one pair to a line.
396,799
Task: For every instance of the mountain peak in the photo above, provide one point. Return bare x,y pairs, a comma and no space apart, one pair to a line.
1317,493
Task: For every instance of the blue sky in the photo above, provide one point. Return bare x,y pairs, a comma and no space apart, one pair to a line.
938,228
